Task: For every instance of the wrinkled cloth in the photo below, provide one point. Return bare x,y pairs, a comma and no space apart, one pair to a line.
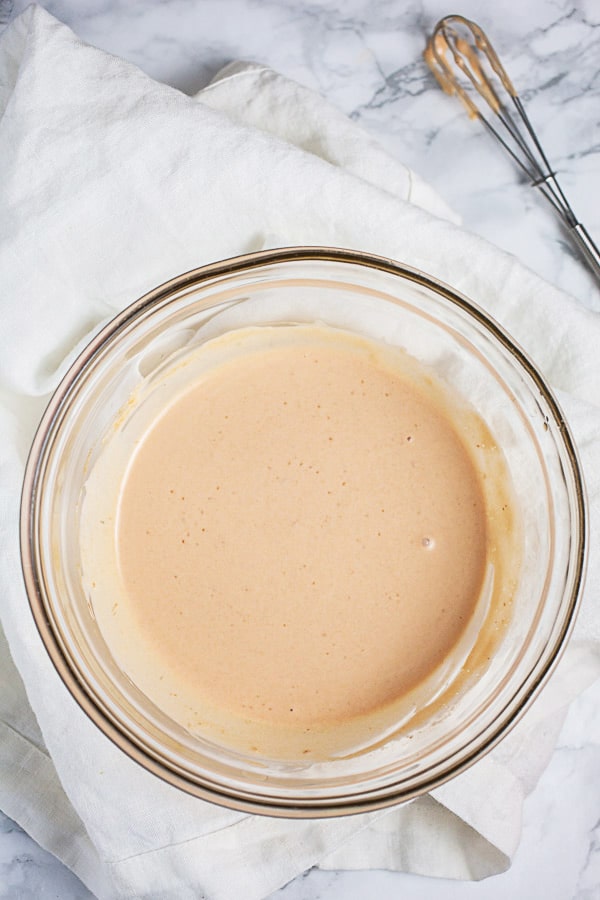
111,184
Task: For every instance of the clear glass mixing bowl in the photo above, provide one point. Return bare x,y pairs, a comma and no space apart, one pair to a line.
383,300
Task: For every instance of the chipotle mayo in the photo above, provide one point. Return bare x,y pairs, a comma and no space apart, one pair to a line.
293,543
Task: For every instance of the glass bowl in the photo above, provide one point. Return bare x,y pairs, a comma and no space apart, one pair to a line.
476,359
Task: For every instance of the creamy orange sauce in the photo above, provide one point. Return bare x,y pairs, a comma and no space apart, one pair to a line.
299,539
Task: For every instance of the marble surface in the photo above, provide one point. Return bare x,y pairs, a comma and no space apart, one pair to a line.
365,57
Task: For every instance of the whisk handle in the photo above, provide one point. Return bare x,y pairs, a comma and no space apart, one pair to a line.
587,247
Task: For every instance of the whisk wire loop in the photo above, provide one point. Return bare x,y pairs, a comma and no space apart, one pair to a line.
466,65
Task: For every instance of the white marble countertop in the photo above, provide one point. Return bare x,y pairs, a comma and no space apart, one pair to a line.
365,57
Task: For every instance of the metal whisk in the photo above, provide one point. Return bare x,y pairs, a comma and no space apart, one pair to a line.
464,62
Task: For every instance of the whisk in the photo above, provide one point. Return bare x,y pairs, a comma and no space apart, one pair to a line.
465,64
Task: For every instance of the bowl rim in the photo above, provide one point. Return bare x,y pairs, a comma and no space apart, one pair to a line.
234,798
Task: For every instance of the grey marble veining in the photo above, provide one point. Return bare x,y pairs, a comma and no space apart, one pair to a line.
29,873
365,57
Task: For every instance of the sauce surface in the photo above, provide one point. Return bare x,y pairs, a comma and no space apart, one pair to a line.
300,539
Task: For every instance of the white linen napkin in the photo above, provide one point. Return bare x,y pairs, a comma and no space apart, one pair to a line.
111,184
